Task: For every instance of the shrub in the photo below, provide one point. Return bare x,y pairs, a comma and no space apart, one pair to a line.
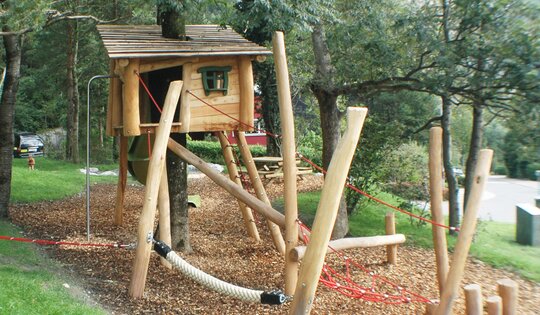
499,170
531,170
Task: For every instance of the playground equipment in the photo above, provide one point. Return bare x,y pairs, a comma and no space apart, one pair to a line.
210,89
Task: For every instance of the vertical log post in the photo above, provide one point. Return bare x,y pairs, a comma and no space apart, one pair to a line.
325,217
247,215
164,214
466,233
473,299
431,308
508,291
275,231
247,95
436,195
494,305
185,107
153,180
390,226
115,100
289,160
131,118
122,181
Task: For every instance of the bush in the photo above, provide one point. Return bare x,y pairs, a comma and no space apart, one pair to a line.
531,170
500,170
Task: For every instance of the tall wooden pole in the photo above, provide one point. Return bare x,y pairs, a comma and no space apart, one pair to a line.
436,194
247,215
122,181
289,160
258,186
325,217
153,180
164,207
466,233
130,92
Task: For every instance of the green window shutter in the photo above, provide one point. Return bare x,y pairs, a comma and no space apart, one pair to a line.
215,79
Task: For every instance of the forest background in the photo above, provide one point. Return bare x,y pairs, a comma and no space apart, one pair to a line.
470,66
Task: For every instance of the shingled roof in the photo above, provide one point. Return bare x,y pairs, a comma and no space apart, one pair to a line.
145,41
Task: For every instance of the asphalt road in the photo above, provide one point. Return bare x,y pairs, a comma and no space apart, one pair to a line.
501,196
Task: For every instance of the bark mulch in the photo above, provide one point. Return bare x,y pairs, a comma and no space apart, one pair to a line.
222,248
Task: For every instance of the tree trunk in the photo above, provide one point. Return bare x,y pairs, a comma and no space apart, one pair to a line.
330,115
178,198
173,26
266,79
72,144
173,22
453,205
474,149
12,45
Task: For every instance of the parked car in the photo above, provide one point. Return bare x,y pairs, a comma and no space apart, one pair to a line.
458,172
26,143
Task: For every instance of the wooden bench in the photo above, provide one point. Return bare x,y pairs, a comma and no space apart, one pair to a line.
272,167
528,224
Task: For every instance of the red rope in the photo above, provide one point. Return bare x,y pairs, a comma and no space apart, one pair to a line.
48,242
148,92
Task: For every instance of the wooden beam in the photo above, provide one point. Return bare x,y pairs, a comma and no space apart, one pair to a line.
122,181
150,64
258,186
289,160
436,196
325,218
130,103
353,242
247,215
247,96
225,183
153,180
466,233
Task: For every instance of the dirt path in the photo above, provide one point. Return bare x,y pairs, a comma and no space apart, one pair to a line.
222,249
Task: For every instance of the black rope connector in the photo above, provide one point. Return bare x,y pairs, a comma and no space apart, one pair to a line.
162,249
273,298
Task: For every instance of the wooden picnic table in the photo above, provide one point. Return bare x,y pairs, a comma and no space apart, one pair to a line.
272,166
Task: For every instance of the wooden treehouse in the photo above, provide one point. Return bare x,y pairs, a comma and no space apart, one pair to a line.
214,65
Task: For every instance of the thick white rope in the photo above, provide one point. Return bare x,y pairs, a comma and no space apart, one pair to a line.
247,295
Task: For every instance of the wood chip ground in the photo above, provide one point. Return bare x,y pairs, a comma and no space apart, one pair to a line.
221,248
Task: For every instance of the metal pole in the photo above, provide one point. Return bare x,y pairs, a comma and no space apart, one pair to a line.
88,152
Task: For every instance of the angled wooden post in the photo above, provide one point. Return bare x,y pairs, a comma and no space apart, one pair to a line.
466,234
153,179
436,195
247,215
288,153
258,186
334,184
122,181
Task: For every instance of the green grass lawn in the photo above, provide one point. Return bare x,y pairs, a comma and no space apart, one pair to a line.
494,243
51,180
29,283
